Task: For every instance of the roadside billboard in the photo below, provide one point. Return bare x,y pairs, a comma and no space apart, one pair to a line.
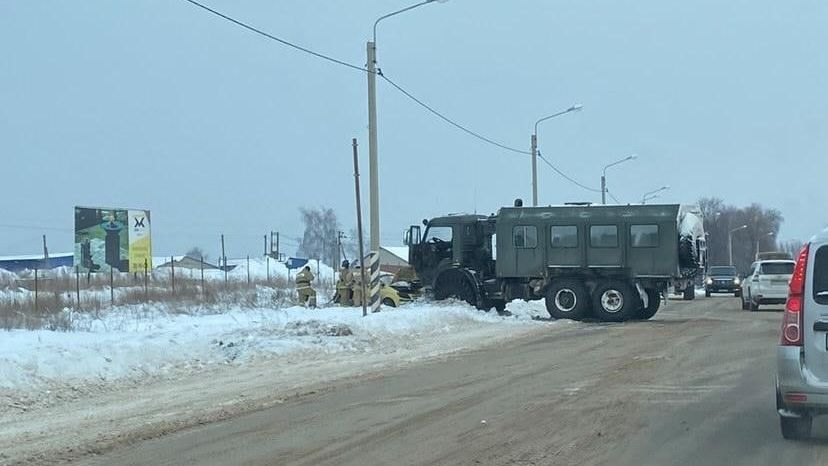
111,238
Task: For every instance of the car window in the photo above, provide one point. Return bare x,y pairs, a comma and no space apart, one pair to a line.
525,236
776,268
603,236
820,272
644,236
722,271
564,236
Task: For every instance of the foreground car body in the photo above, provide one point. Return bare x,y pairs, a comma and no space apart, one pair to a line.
802,355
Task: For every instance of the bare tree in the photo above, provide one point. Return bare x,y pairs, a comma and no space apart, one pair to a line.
759,235
351,244
319,238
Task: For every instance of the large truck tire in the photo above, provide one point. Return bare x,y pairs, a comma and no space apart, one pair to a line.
653,303
456,283
615,301
567,299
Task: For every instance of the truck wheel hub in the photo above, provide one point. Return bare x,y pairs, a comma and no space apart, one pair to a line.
612,300
566,300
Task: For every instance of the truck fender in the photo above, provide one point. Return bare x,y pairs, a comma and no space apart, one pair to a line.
642,294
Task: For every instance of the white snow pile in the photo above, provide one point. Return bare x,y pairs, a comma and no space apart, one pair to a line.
144,341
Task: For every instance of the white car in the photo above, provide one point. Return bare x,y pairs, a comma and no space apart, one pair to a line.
767,283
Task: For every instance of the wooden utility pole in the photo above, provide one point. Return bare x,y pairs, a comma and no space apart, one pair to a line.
359,227
224,258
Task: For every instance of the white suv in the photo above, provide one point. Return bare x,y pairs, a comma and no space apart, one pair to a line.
802,354
767,283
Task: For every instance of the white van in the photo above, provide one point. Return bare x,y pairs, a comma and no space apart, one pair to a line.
802,354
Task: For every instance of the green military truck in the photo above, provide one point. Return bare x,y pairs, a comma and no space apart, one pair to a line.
610,262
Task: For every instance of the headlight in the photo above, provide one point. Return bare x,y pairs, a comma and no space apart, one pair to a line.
709,281
736,281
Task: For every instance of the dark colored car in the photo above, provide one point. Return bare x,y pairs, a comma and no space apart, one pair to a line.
722,279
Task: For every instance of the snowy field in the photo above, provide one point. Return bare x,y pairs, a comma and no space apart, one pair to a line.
140,371
144,341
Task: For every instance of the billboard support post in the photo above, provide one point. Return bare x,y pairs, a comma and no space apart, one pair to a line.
146,280
248,270
112,286
77,286
172,273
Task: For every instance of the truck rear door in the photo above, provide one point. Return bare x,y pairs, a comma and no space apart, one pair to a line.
528,255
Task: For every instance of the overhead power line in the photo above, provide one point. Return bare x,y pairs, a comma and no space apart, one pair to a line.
393,84
567,177
272,37
449,120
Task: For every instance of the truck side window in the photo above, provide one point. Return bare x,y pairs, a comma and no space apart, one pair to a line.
564,236
525,236
603,236
644,236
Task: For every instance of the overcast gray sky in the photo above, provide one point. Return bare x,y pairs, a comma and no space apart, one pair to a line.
159,105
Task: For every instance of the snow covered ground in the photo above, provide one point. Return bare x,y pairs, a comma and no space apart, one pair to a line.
142,371
133,342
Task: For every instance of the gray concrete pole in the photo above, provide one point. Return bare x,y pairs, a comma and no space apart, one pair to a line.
373,165
730,248
604,189
534,170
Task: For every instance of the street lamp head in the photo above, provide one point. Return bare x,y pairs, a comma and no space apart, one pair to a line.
632,157
417,5
574,108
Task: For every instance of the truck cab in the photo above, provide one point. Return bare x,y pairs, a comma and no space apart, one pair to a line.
450,242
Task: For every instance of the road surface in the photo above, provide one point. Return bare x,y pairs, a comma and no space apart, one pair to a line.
692,386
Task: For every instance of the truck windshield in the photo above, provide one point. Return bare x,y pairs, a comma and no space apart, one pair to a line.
722,270
438,234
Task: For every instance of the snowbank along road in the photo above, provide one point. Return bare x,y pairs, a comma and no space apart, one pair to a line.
692,386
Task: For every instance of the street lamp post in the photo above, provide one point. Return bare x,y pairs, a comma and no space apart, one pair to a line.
653,194
756,256
730,243
573,108
604,176
373,164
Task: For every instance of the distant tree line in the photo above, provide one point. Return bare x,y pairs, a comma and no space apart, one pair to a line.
761,228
